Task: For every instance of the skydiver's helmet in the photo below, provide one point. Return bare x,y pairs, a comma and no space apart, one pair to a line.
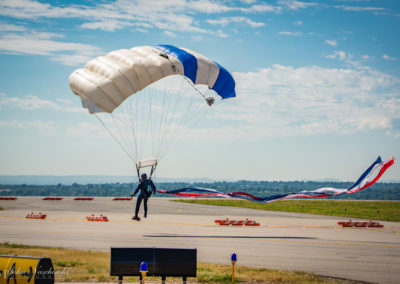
144,176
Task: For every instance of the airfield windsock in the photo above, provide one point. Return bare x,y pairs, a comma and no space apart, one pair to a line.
365,180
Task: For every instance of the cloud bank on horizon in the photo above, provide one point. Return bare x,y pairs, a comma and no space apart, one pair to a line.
302,68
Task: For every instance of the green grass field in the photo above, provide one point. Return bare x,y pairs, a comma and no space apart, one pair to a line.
92,266
376,210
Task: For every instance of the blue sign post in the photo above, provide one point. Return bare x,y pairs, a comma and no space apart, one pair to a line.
233,259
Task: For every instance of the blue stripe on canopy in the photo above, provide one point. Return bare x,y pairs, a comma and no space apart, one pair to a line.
189,62
224,85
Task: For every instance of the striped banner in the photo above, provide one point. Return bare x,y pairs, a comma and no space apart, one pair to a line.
365,180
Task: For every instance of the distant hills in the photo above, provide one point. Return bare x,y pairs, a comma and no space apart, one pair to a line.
102,179
85,179
116,186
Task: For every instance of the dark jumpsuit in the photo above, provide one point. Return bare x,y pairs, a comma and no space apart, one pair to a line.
146,188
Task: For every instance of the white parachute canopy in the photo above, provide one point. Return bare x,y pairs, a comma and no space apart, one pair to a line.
146,96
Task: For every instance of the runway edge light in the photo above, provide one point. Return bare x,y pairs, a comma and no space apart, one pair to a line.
233,259
143,270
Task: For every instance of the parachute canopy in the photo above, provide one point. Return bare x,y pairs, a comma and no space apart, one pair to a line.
146,96
107,81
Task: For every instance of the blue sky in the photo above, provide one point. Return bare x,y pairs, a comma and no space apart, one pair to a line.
317,85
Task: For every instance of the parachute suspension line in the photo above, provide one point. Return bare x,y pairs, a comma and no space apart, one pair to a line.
141,103
195,117
115,138
120,125
138,172
144,100
173,139
153,121
194,86
171,107
150,121
132,127
153,169
181,94
164,124
165,104
194,111
138,120
157,133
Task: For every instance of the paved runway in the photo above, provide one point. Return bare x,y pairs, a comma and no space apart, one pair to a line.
288,241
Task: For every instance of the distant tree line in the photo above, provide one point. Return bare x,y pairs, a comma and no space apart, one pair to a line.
379,191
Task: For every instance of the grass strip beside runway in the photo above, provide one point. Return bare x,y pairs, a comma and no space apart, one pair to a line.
93,266
376,210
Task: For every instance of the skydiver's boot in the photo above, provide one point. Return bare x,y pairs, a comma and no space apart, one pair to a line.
136,218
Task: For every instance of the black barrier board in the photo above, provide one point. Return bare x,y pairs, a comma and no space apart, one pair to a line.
126,261
168,262
176,262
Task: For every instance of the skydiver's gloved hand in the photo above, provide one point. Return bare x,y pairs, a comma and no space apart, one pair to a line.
132,195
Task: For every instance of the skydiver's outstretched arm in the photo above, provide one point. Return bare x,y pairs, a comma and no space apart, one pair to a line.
136,190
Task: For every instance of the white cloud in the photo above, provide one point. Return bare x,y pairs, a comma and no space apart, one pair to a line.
296,5
375,10
365,57
387,57
286,101
395,126
27,103
142,30
291,33
331,42
50,128
227,20
198,38
172,15
108,25
207,6
170,34
46,127
260,9
65,101
4,27
34,43
219,33
298,23
72,59
277,101
31,102
87,130
341,55
359,8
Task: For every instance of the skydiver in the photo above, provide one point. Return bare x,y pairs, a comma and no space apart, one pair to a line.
146,187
